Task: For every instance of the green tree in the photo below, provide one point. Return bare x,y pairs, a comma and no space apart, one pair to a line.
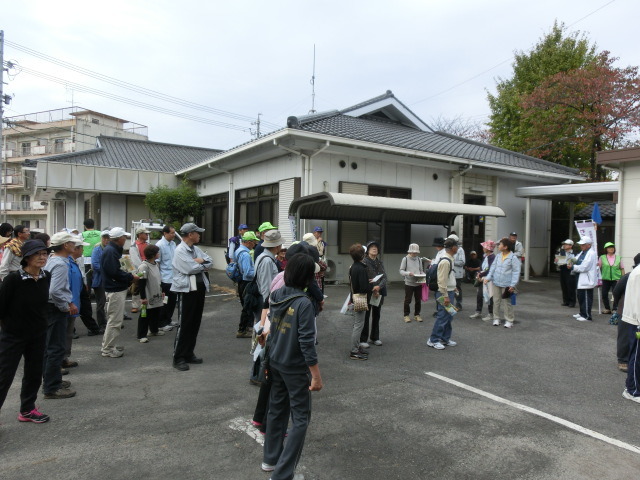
174,204
556,52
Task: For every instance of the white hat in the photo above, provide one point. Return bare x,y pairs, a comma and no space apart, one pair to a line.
140,230
117,232
413,248
585,240
568,241
454,237
272,238
61,238
104,233
310,239
80,241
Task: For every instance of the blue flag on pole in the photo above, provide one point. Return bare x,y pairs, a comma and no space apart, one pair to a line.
595,215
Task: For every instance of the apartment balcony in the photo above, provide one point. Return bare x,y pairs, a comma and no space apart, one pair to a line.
13,181
50,148
23,207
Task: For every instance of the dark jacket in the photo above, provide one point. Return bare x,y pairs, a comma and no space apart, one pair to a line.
113,277
359,278
375,267
23,303
292,345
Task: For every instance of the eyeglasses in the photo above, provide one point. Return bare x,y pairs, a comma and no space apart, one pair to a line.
44,253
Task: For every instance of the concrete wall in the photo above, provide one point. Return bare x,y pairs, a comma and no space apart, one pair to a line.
629,213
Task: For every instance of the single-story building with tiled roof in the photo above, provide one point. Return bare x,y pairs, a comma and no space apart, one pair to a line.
377,148
108,183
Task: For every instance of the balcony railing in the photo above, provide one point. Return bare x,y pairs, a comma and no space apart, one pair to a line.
50,148
22,206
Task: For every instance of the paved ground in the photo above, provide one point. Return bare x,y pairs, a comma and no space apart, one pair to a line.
396,416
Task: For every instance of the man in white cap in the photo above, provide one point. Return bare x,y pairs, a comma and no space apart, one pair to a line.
459,260
136,252
586,265
266,267
61,308
116,282
190,282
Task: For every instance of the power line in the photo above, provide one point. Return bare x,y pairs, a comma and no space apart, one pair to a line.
133,87
129,101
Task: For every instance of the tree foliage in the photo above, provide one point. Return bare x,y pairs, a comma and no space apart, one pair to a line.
556,52
572,115
174,204
462,127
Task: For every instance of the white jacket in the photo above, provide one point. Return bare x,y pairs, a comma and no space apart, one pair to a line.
588,271
631,311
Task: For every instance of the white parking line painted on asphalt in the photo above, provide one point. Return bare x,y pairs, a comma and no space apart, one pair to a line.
243,425
219,295
553,418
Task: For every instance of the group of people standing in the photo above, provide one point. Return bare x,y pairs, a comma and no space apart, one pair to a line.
41,298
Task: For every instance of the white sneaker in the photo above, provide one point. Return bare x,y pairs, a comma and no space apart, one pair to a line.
407,319
174,324
267,468
113,353
364,345
418,318
508,324
378,342
496,322
580,318
487,318
167,328
628,396
476,315
436,345
158,334
144,340
451,343
577,315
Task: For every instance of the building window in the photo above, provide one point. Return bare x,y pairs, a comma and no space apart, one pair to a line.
216,215
257,205
25,149
397,236
58,145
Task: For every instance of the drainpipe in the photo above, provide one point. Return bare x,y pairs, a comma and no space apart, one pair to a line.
527,235
78,222
310,169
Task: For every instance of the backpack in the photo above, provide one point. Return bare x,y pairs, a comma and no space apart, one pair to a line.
233,272
432,274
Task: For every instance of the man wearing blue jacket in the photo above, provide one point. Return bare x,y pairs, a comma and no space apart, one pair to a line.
116,282
242,256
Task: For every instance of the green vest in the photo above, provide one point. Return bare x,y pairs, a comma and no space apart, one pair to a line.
610,272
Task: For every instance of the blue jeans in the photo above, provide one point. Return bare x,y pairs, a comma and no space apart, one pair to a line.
442,327
54,352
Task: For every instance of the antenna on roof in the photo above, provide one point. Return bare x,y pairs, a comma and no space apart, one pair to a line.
313,83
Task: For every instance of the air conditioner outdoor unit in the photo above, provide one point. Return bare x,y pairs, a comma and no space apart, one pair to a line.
39,150
7,180
335,271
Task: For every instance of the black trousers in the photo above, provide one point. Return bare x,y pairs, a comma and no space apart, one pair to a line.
480,301
101,302
374,313
150,322
262,406
568,284
192,306
626,333
12,348
86,313
459,295
607,286
246,315
290,396
170,307
415,292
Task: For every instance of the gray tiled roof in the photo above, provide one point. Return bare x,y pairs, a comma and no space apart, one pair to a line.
607,210
397,135
137,155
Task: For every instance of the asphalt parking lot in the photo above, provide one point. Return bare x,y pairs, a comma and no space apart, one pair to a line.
540,401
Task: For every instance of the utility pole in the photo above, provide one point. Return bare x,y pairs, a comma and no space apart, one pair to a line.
257,124
3,211
313,83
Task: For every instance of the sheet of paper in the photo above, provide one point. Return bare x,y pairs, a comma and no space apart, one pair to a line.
376,278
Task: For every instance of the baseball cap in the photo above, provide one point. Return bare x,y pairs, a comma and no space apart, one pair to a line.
80,241
266,226
272,238
609,244
250,236
243,226
61,238
318,229
117,232
140,230
191,227
568,241
104,233
513,234
585,240
33,246
453,236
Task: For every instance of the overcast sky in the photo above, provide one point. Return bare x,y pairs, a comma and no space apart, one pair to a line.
249,57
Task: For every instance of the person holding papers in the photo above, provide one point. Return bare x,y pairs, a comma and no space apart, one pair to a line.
378,279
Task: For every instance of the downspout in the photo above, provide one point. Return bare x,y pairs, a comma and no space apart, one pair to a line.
78,222
310,168
527,235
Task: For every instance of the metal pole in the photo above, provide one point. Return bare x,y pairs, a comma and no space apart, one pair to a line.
527,236
3,211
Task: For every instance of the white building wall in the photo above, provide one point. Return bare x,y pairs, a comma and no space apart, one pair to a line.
629,213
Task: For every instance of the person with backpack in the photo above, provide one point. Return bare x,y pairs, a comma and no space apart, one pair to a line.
441,333
247,271
234,243
505,274
410,266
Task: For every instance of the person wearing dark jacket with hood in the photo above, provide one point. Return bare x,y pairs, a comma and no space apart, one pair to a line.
359,282
294,369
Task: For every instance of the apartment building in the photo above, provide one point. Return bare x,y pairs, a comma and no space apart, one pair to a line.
26,138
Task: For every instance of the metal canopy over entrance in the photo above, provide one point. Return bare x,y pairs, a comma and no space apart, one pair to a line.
365,208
